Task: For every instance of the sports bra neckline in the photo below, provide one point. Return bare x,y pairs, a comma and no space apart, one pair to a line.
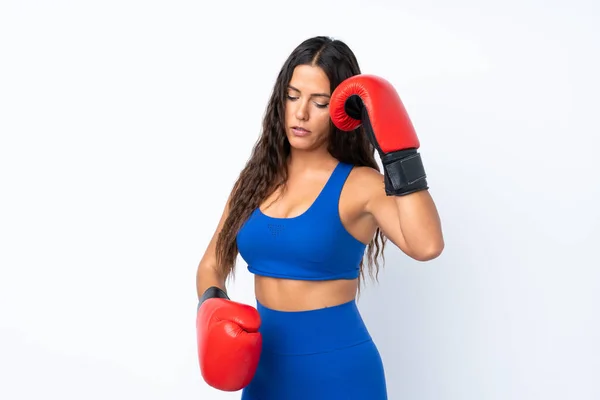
312,205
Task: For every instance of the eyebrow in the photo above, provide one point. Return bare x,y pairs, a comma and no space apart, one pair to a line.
312,94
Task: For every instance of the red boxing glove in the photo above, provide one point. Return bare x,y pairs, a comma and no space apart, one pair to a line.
229,344
373,102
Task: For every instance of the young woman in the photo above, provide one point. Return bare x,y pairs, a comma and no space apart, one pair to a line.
308,213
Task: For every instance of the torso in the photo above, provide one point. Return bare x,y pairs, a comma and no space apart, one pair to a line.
301,192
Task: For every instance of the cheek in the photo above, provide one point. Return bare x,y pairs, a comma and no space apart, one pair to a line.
323,122
288,112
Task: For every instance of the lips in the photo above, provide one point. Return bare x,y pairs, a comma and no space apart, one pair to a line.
299,131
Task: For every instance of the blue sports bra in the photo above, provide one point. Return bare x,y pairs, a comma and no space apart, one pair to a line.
312,246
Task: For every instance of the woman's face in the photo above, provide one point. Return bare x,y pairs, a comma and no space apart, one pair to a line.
307,108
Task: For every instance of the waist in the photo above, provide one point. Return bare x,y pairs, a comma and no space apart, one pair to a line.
312,331
300,295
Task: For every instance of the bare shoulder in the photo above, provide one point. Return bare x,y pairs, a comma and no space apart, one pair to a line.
366,180
363,184
366,175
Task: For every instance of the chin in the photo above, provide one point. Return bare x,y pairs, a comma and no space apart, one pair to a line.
301,143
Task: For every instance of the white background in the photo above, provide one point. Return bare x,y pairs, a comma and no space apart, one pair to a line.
124,124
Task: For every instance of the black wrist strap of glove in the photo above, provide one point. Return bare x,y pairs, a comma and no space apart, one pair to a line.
404,172
212,292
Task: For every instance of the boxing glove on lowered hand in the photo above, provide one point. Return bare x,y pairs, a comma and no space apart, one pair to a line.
229,344
373,102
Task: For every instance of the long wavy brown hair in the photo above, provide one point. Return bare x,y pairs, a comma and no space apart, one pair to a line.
266,170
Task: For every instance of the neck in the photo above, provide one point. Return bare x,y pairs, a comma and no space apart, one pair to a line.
300,160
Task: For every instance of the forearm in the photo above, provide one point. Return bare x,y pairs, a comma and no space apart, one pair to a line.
420,224
206,277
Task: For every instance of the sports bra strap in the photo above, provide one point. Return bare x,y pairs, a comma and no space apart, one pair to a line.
330,195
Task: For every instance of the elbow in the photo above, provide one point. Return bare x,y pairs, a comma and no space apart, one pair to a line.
430,252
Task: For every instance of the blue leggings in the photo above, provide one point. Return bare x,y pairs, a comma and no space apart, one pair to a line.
316,355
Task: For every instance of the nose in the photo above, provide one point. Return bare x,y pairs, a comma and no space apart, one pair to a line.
302,110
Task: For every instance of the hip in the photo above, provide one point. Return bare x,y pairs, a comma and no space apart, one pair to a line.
317,354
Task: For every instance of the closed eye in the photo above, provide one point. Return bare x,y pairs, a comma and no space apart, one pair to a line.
319,105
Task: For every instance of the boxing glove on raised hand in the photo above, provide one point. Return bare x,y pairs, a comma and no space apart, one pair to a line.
229,344
372,102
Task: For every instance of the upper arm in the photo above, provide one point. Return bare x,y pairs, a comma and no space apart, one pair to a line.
411,224
382,208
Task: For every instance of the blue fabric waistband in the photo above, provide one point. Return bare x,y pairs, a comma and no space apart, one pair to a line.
312,331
